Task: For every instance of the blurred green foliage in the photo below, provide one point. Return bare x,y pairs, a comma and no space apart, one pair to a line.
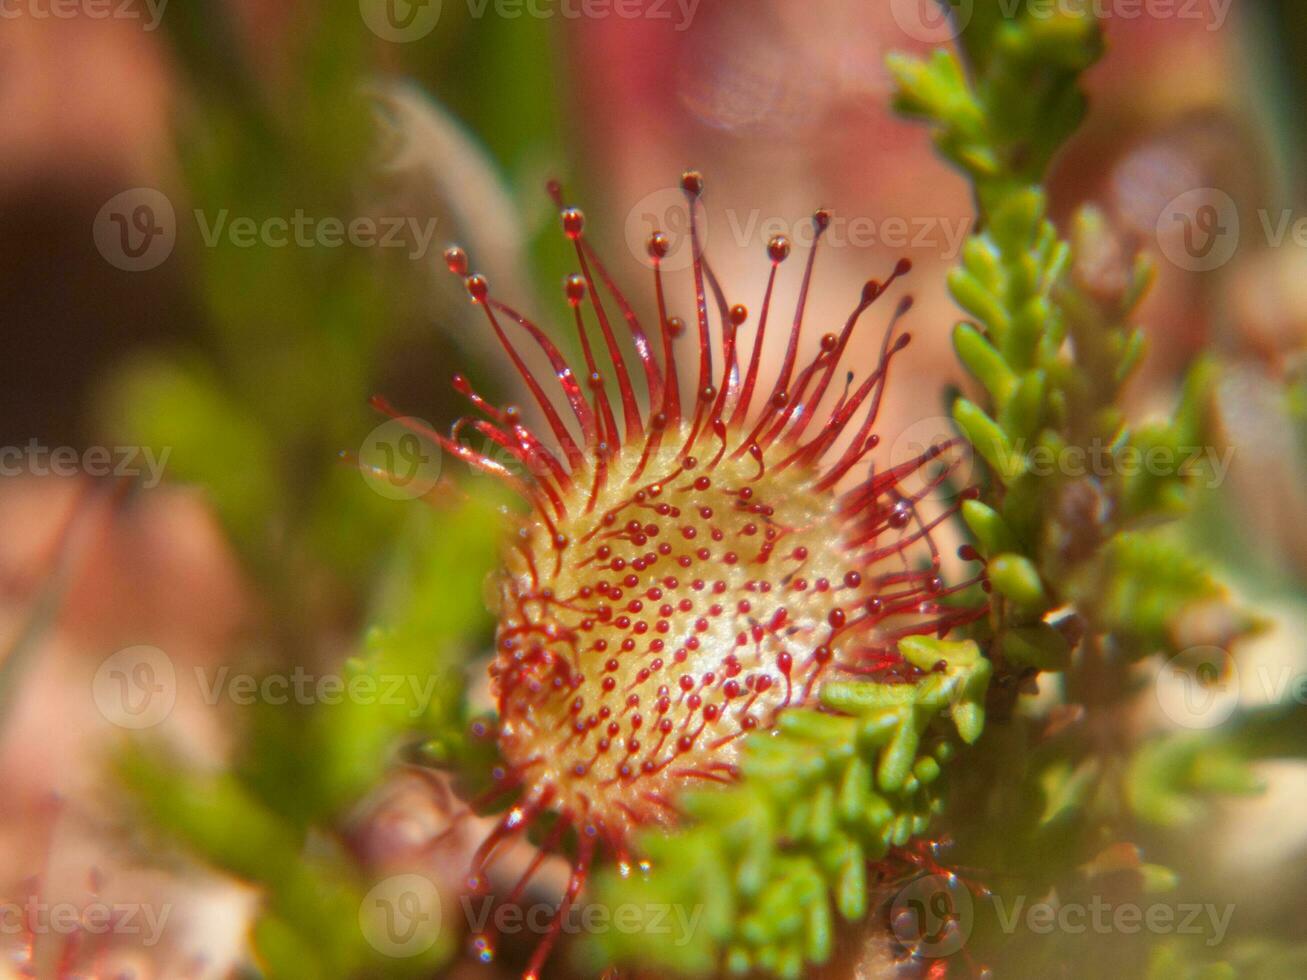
290,345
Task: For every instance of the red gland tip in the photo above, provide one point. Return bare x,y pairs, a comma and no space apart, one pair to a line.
692,183
778,249
659,245
575,288
739,313
821,218
675,326
477,287
573,222
456,260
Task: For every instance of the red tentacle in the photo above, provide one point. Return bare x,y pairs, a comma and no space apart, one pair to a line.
580,872
573,223
658,246
576,290
479,291
562,370
777,249
652,375
779,394
692,183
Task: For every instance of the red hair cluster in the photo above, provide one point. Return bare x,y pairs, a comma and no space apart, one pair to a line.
693,562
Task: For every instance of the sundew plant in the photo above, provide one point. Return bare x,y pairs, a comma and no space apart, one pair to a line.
599,622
